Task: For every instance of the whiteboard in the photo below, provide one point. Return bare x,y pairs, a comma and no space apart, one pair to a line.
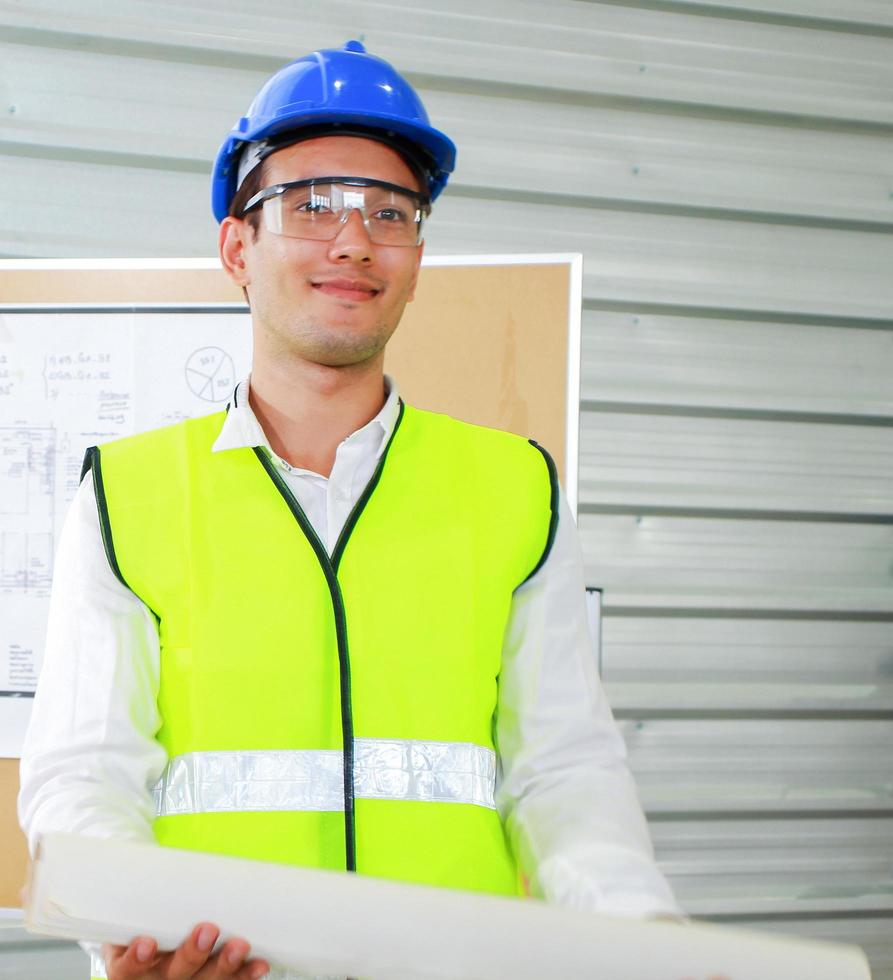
70,380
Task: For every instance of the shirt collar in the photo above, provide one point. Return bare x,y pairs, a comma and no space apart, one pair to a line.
241,428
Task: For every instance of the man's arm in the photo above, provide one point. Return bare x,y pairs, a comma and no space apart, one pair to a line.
566,796
90,756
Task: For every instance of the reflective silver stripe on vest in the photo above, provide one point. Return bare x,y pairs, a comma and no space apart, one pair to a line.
311,779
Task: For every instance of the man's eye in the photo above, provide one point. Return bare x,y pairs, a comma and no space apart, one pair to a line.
395,215
312,206
308,203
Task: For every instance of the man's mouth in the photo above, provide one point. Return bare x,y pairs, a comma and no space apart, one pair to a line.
356,290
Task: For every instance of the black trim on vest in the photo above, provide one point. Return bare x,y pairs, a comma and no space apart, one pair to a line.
350,854
553,507
87,465
92,463
330,570
360,505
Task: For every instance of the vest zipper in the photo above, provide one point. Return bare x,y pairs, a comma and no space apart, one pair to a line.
329,567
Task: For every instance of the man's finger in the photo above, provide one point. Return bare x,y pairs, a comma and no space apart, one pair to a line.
125,962
232,957
253,970
192,955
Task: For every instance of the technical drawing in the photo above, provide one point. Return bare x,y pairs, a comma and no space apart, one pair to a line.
211,374
27,505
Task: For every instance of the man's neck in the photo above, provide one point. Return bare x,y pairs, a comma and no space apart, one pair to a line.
307,410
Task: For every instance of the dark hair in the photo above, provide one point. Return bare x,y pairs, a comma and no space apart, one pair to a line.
253,182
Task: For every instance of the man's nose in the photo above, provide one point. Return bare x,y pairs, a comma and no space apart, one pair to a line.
352,241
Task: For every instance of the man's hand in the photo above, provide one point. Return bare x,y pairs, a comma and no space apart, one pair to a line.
141,960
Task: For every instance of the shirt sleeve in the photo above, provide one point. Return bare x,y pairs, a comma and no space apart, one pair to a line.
90,758
565,793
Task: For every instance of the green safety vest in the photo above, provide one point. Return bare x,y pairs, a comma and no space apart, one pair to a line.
331,711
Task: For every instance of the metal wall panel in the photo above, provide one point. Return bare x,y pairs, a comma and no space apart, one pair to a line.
762,765
593,48
725,168
828,13
593,152
27,957
640,460
732,564
676,664
109,211
734,368
776,866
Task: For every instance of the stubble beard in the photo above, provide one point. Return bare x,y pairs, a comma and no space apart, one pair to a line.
334,345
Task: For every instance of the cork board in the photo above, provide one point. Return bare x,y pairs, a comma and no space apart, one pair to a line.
493,341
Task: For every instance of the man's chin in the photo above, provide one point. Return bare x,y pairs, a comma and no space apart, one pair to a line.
344,355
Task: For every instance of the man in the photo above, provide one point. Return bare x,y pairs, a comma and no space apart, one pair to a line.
302,631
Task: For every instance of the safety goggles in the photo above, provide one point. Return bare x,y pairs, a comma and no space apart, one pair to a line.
318,208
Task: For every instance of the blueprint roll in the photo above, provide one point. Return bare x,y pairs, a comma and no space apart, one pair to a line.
336,924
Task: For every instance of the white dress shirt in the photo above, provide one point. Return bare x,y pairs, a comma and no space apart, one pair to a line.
564,791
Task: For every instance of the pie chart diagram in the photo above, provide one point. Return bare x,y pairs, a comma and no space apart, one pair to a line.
211,374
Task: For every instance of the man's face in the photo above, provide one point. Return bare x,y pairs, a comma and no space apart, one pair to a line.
334,303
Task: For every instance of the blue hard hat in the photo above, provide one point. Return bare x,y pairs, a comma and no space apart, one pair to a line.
337,89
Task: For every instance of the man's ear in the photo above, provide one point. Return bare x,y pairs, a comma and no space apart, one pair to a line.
415,278
232,239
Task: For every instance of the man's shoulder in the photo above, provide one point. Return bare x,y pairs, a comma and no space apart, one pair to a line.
471,436
448,425
511,479
161,437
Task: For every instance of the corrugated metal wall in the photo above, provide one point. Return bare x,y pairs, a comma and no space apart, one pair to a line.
727,170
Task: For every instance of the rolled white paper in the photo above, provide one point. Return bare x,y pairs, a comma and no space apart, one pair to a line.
338,924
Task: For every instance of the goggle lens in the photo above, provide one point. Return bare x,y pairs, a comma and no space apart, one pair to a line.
318,209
